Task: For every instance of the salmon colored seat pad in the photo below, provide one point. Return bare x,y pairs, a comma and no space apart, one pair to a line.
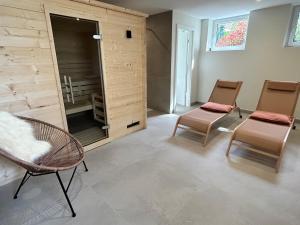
271,117
216,107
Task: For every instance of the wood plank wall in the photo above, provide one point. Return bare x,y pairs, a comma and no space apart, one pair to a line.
27,74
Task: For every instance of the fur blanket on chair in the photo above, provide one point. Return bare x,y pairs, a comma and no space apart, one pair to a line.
17,138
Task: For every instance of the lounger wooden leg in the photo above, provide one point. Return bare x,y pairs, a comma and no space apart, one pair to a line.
206,136
176,126
229,146
205,140
25,178
278,162
66,195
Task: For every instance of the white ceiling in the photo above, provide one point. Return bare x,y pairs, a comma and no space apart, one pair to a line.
200,8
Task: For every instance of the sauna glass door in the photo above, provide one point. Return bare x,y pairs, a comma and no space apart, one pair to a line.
78,55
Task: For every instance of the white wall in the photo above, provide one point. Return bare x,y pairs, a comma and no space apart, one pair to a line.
264,58
194,24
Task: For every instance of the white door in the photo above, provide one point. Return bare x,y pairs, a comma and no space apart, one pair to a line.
183,67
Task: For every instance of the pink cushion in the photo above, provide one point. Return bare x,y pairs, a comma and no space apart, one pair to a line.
216,107
272,117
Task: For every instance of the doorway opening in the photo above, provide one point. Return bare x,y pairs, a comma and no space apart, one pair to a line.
183,69
77,47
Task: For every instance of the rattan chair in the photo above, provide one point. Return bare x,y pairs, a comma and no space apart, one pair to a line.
66,153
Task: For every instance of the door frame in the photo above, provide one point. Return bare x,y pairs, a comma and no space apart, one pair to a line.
62,10
190,72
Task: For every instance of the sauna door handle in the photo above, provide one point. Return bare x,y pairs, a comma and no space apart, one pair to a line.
71,90
67,89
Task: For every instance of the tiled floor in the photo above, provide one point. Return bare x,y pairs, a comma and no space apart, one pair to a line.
150,178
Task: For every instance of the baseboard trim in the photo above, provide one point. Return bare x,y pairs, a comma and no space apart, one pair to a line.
195,103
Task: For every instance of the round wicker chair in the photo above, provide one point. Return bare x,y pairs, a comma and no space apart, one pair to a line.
66,153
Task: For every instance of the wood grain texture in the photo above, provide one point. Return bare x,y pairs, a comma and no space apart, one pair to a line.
29,84
28,70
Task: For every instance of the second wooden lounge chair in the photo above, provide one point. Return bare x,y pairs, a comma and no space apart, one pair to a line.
266,130
202,119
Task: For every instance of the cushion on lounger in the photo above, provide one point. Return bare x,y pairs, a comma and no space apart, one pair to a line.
272,117
216,107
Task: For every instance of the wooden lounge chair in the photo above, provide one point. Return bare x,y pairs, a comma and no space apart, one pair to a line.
66,153
201,120
265,131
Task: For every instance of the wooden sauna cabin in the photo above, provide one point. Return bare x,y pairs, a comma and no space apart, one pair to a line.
78,64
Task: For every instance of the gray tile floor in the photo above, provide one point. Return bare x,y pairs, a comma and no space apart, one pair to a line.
150,178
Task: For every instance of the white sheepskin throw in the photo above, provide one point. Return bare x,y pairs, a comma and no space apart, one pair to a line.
17,138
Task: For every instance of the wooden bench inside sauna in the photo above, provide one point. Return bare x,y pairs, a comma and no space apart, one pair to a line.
79,64
80,96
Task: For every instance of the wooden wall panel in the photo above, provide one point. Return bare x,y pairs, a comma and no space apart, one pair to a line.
34,6
28,79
